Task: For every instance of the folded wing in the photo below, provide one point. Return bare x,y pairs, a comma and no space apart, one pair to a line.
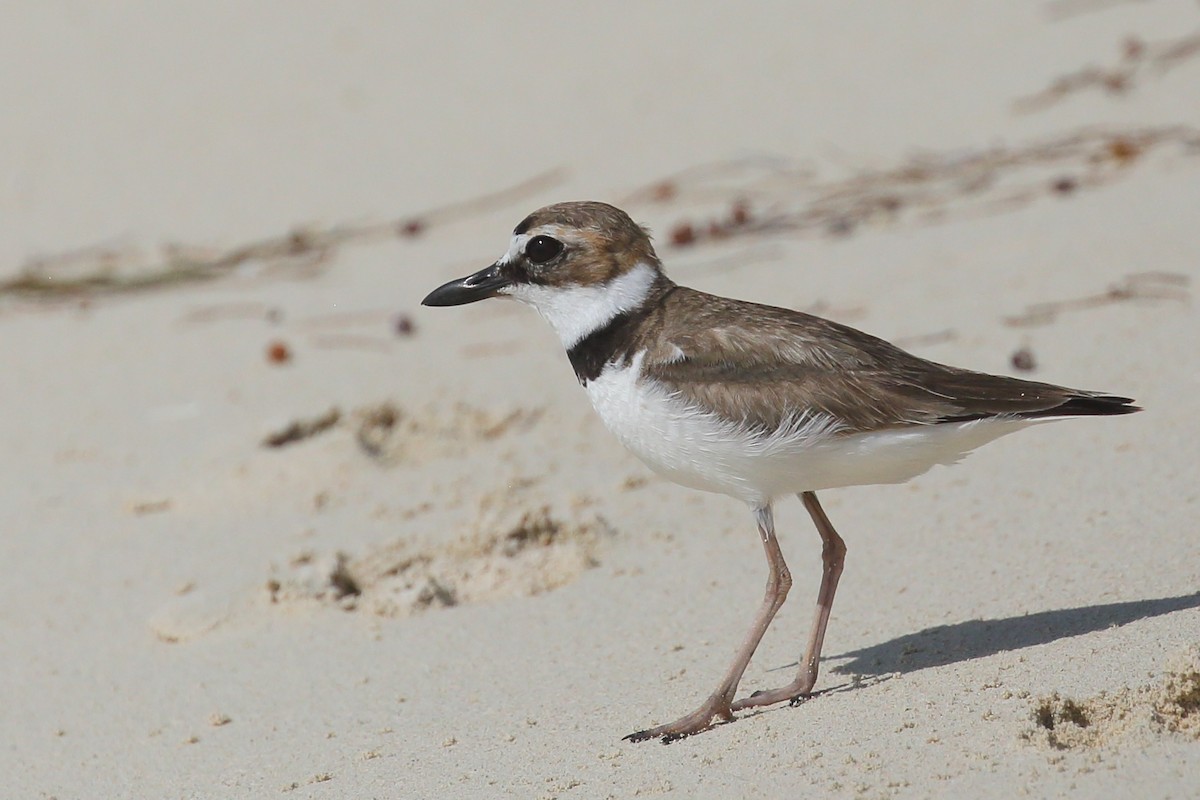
762,367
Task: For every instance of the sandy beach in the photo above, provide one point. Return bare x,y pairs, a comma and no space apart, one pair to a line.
271,528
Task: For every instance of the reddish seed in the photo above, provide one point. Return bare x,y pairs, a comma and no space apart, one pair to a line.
1116,83
683,234
412,228
278,353
663,192
403,325
1023,360
740,215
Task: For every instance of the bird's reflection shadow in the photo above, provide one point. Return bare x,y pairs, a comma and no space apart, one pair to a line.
963,641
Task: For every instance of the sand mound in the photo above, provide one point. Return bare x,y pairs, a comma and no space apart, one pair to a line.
1171,706
391,434
508,552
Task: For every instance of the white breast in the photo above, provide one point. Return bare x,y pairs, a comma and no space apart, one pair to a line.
693,447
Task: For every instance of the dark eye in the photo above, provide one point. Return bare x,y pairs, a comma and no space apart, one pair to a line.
542,249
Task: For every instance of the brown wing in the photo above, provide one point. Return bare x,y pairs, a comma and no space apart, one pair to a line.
760,365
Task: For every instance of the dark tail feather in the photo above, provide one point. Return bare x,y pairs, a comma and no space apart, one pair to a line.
1087,405
1079,405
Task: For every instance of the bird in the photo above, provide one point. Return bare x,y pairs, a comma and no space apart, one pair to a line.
748,400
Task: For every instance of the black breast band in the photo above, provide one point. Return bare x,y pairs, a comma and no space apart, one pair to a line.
613,342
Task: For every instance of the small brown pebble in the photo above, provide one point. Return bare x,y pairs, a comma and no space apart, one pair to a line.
403,325
1064,185
1023,360
683,234
278,353
1123,150
411,228
740,215
663,192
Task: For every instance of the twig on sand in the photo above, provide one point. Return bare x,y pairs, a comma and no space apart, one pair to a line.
300,429
925,189
1148,286
1137,60
106,270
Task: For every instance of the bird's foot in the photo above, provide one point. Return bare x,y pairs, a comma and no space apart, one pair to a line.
794,693
699,720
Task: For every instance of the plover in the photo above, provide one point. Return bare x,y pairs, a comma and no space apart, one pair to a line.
748,400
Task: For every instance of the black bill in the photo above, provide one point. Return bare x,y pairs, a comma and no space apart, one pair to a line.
480,286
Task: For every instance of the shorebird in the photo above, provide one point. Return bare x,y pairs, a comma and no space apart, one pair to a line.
748,400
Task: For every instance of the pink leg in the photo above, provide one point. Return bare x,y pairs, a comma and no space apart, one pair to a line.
779,580
833,556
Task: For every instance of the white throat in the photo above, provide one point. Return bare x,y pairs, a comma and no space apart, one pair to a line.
575,311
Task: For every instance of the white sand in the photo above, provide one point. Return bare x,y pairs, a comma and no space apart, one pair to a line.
145,531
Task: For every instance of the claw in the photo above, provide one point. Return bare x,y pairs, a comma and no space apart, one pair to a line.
698,721
645,736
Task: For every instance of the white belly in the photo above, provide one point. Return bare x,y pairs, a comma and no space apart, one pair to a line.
697,449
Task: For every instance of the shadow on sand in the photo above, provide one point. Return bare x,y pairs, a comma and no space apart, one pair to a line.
963,641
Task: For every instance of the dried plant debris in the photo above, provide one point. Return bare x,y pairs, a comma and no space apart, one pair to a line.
375,427
300,429
1170,707
746,177
105,270
390,434
755,198
507,554
1137,61
1149,287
